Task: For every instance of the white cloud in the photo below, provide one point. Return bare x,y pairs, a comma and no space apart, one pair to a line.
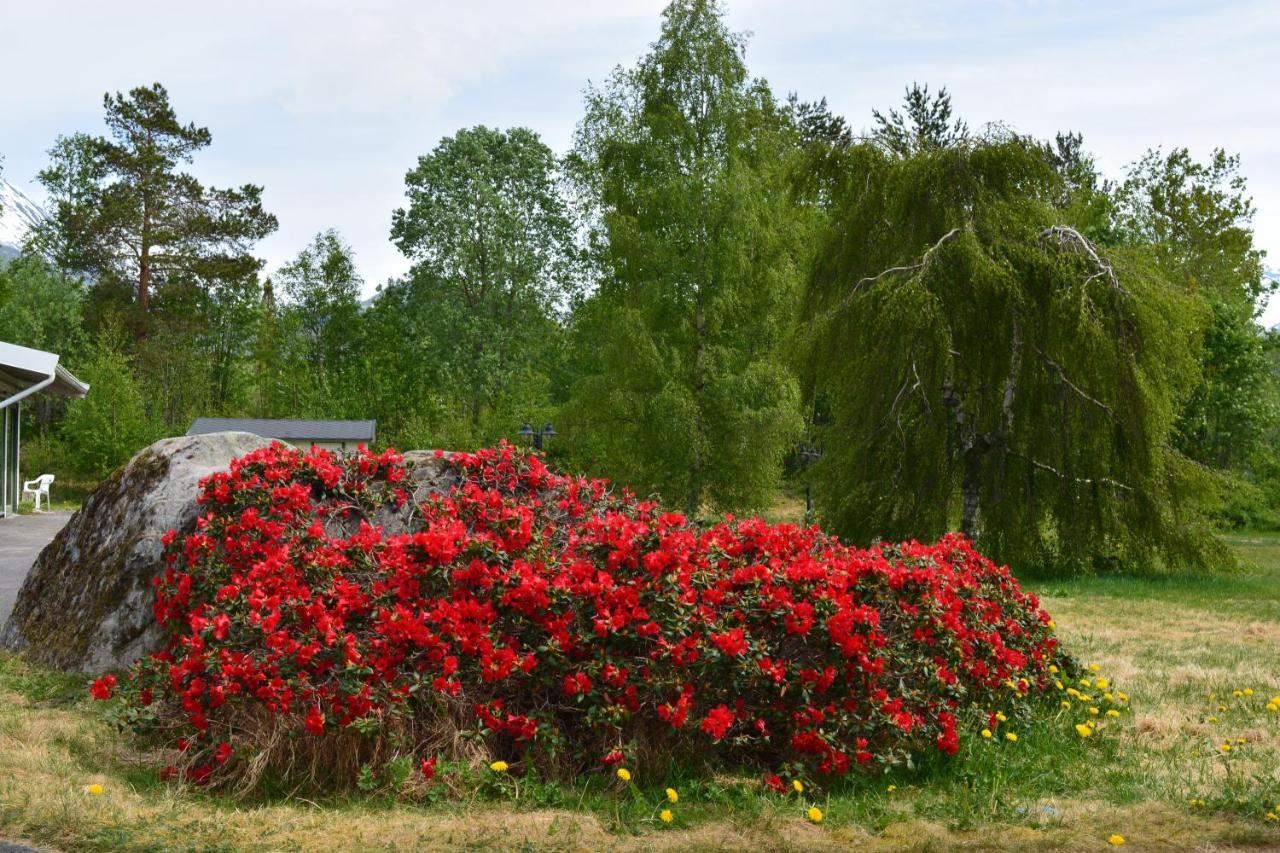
328,103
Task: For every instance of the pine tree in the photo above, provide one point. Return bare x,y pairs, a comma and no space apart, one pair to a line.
124,215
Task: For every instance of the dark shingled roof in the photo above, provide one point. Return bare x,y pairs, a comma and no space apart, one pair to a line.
291,430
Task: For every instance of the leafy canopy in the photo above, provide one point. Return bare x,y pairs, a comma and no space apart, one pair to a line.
683,161
985,363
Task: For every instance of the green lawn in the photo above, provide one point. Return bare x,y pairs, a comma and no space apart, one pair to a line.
1170,644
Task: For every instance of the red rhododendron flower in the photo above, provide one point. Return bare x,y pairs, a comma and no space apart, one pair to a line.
553,612
102,687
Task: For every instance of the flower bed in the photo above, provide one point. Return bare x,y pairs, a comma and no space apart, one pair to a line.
551,621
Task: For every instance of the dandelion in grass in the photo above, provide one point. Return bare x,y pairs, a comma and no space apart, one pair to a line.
673,796
986,733
1094,711
892,788
1065,704
1117,840
1112,712
798,786
1226,747
666,816
499,767
1011,736
1093,667
815,814
1083,729
624,774
94,790
1248,691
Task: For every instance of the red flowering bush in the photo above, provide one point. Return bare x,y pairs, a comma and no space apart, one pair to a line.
550,620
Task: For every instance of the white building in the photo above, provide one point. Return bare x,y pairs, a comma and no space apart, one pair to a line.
25,372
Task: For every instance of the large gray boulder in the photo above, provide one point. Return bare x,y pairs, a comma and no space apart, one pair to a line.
86,603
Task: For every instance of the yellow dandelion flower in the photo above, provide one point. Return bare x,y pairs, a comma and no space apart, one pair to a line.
1083,729
1239,740
673,795
986,733
1248,691
1117,840
1108,697
624,774
1065,704
1093,711
798,785
1113,713
1122,696
1053,668
1051,624
1093,667
94,790
1226,747
1084,697
1071,691
1084,682
1222,708
1102,684
1237,693
1272,706
891,788
1010,736
1272,816
1000,716
499,767
666,816
815,814
1057,684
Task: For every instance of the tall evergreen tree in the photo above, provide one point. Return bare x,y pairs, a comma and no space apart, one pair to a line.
683,160
987,364
125,215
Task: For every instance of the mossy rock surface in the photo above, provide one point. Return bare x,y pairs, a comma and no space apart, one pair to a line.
86,603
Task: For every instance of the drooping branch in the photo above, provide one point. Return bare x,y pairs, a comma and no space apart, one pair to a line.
1084,481
918,265
1062,375
1072,239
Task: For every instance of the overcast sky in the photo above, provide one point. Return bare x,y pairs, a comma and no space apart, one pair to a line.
328,104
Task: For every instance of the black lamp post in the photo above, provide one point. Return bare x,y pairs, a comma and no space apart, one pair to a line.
808,455
538,434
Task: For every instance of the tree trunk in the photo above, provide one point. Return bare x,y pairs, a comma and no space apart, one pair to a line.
969,504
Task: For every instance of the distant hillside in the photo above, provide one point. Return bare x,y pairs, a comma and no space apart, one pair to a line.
18,215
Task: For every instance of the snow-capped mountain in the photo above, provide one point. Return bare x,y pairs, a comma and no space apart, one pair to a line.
18,215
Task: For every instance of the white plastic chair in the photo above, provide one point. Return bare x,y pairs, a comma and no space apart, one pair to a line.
37,488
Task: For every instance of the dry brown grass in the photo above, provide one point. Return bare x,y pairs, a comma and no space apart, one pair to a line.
1168,646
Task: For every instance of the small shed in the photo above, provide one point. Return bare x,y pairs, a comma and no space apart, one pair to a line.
332,435
25,372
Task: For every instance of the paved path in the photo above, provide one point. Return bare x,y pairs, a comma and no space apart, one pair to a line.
22,537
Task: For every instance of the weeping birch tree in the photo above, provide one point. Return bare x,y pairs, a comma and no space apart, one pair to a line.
987,366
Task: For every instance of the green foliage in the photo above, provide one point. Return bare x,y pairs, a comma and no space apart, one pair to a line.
125,216
109,424
496,267
1194,219
682,161
980,355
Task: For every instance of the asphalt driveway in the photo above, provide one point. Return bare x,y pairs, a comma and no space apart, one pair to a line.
22,538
